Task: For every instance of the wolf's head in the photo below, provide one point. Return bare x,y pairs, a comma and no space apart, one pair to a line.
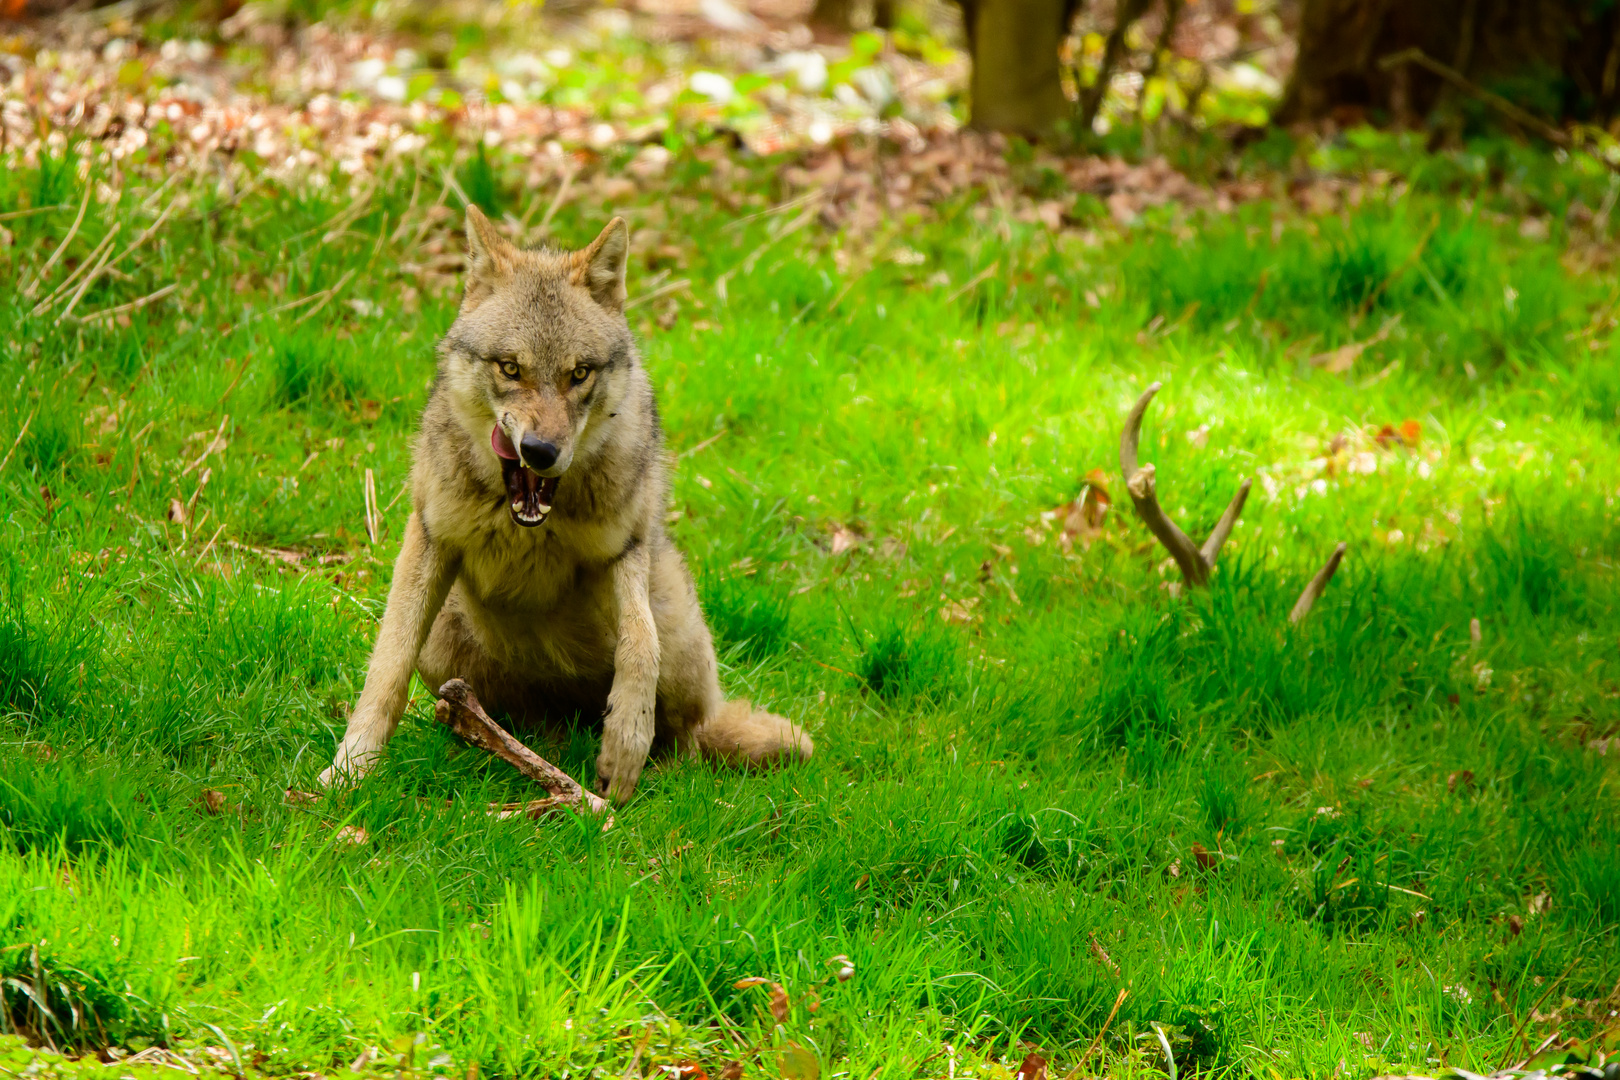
539,355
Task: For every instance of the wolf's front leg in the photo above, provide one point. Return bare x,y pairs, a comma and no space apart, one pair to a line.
627,729
423,574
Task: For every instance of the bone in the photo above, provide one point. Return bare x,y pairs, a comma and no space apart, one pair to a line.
460,711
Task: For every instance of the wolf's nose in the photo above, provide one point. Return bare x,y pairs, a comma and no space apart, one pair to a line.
538,454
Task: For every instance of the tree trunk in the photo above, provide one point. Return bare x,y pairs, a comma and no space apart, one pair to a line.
1557,59
837,16
1017,86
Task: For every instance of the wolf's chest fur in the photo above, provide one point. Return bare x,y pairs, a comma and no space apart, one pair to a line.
542,598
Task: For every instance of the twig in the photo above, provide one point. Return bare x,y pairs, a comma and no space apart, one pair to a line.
1313,589
975,281
1545,994
325,299
10,214
662,290
1412,257
18,440
370,492
460,711
786,231
556,203
1195,562
208,546
692,451
209,449
403,488
56,294
1556,136
33,286
149,231
240,369
779,208
89,279
133,305
1100,1033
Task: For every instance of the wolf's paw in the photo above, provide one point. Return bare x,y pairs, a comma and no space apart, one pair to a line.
619,765
348,766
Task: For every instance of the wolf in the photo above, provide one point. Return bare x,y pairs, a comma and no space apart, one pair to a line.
535,564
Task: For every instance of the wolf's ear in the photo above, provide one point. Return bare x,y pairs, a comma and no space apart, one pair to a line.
600,267
489,254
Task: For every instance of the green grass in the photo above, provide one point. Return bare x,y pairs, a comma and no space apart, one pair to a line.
1022,748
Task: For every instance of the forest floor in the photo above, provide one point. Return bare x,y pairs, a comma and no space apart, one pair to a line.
1061,806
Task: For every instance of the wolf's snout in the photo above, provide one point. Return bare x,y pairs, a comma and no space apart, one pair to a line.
538,454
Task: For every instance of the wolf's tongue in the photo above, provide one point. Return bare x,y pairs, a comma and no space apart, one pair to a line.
502,445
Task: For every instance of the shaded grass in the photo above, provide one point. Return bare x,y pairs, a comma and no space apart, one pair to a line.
1019,745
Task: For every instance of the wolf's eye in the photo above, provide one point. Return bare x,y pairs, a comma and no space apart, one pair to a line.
581,373
510,369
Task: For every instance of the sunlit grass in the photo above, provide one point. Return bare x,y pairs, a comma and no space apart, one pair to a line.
1025,741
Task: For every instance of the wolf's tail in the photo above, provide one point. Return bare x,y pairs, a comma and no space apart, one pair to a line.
739,735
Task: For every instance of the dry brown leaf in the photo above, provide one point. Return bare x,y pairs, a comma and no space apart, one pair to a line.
354,834
1205,858
1100,954
780,1005
299,798
177,511
1032,1068
843,539
212,801
733,1071
1463,778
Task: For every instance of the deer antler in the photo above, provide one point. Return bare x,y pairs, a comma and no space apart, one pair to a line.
1313,590
1195,562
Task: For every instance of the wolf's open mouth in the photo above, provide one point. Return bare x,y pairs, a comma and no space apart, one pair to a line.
528,493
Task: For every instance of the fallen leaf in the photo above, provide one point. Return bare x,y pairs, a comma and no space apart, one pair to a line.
1033,1067
732,1071
1515,925
843,539
780,1005
213,801
1340,360
797,1063
299,798
752,980
1206,860
354,834
1175,868
1411,432
1462,777
1101,956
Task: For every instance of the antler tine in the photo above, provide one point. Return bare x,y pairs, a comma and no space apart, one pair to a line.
1140,483
1223,527
1313,590
1133,431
